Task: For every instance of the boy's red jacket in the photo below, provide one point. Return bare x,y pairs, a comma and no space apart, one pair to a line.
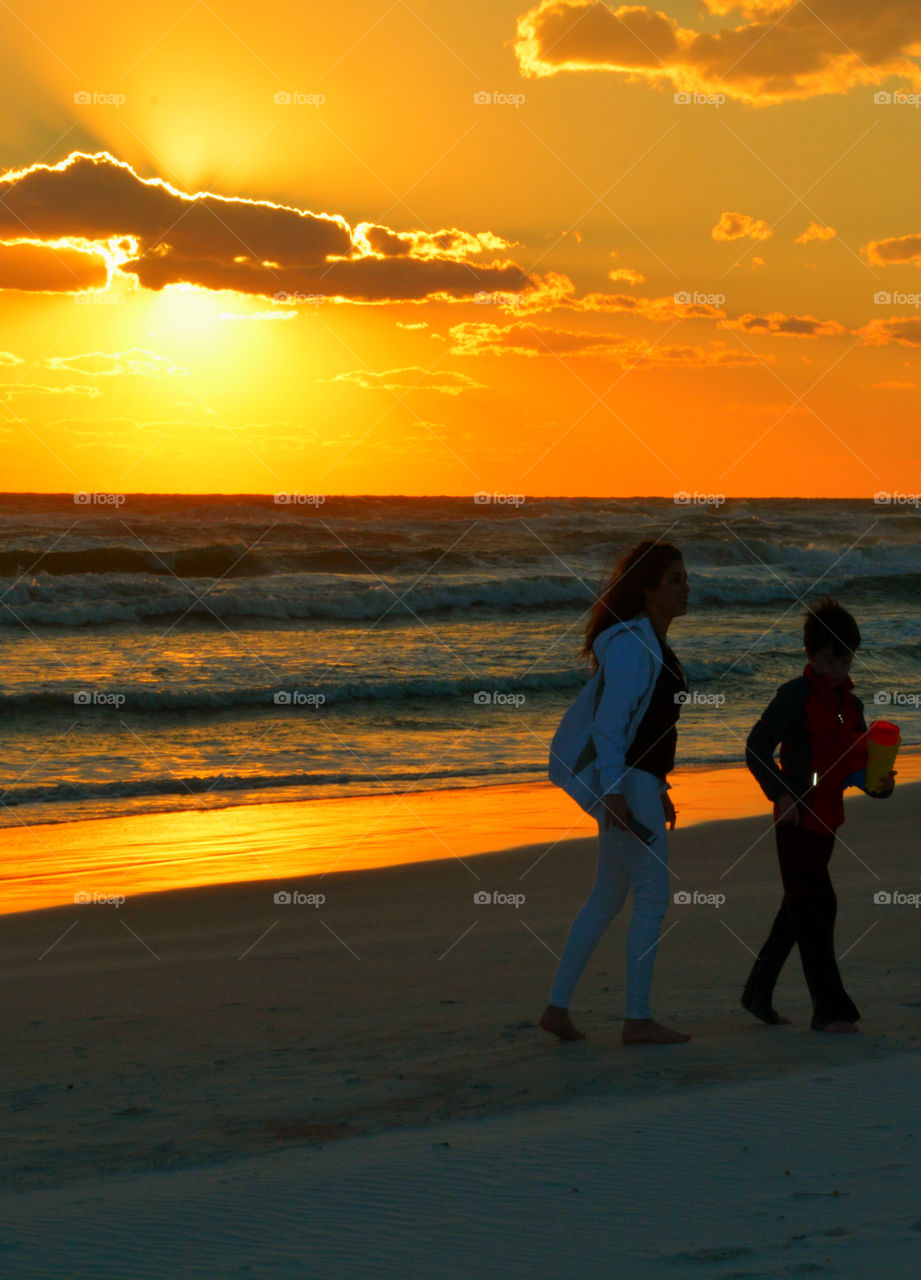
821,732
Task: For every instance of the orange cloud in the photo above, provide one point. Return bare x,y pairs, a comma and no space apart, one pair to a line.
816,231
628,274
895,249
485,339
166,236
904,330
558,293
671,307
409,379
778,53
741,226
44,268
776,322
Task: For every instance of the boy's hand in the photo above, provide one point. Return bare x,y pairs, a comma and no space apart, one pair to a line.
787,810
886,785
669,810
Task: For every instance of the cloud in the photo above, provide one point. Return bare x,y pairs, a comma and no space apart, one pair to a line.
7,358
165,236
103,364
904,330
411,378
486,339
741,226
558,293
628,274
47,268
625,273
33,389
418,324
775,322
777,52
816,231
656,309
895,249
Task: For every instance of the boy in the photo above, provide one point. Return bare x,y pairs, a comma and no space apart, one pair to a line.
819,724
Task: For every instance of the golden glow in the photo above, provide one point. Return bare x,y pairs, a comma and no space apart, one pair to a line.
781,374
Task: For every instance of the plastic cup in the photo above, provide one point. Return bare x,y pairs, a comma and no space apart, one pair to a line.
883,741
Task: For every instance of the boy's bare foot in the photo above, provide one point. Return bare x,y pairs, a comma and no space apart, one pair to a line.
767,1013
838,1026
648,1031
558,1022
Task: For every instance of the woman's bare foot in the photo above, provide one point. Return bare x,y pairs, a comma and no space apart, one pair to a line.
838,1026
648,1031
558,1022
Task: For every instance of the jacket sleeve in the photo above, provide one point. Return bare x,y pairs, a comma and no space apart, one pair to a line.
627,667
775,724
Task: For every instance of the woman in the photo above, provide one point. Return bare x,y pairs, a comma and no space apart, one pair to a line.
612,752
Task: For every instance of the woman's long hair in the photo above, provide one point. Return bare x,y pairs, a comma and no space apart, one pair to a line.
622,598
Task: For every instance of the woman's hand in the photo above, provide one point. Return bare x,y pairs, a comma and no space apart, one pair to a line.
616,812
669,810
787,811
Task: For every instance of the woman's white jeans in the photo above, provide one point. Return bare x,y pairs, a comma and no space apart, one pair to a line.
624,863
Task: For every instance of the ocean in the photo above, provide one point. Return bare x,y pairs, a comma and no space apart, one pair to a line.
167,652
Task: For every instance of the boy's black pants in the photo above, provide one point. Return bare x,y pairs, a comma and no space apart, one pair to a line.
807,918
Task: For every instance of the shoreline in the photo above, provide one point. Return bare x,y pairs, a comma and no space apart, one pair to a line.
284,841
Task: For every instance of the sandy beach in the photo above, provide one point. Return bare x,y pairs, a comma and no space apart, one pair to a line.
284,1046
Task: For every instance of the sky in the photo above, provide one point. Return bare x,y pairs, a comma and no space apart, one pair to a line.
424,247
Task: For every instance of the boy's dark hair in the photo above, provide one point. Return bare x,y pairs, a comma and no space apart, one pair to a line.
829,623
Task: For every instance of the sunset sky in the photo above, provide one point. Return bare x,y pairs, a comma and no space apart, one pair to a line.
446,247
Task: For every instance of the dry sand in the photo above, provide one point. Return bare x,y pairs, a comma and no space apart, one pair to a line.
208,1040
